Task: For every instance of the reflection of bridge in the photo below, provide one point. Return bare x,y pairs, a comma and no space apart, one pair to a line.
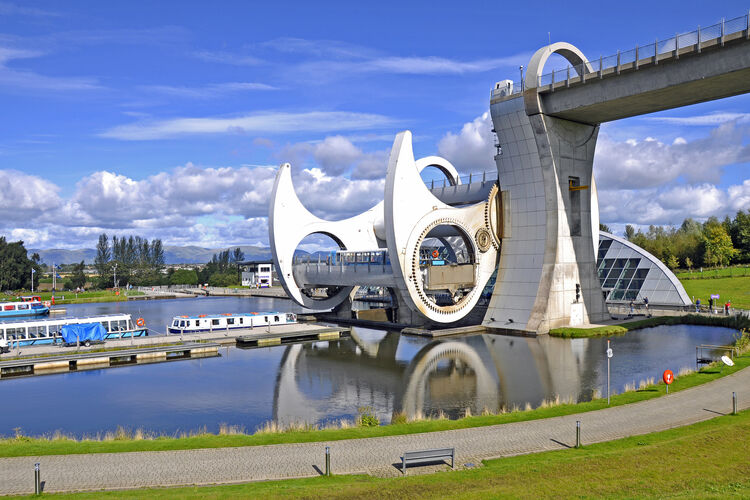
330,379
542,208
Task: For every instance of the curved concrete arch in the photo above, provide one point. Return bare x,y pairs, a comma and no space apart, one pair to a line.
536,64
441,164
289,222
411,212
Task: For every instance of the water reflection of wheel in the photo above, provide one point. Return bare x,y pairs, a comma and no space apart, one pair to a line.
426,361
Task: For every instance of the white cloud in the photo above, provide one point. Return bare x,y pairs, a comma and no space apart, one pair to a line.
267,122
711,119
432,65
336,154
227,58
206,91
21,80
649,163
25,196
9,9
472,150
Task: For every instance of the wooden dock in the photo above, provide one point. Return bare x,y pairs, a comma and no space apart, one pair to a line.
271,339
105,359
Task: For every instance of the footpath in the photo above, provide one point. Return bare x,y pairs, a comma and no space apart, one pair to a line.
376,456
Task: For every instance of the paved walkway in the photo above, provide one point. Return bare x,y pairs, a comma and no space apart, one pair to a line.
374,455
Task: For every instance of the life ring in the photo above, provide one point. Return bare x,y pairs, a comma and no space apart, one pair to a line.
435,254
140,322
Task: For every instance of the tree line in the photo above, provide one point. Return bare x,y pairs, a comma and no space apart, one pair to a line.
694,244
128,260
222,270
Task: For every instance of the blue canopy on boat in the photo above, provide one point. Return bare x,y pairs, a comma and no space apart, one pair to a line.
82,332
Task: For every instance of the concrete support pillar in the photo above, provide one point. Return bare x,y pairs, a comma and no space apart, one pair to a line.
555,229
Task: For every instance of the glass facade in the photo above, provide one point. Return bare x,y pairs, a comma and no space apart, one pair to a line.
627,272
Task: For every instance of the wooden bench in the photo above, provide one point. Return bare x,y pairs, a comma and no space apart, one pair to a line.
438,454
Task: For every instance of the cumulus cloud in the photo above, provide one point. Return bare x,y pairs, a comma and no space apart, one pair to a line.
26,196
336,154
635,164
473,148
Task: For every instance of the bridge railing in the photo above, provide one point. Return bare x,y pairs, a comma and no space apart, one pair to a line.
485,176
641,54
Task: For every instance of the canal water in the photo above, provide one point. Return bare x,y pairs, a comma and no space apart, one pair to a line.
325,381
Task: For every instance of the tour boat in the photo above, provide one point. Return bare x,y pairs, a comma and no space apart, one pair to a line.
32,307
47,331
224,322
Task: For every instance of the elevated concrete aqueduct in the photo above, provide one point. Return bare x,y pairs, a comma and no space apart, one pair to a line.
525,240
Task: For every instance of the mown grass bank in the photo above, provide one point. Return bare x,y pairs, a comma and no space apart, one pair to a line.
735,289
719,272
86,297
138,440
704,460
735,322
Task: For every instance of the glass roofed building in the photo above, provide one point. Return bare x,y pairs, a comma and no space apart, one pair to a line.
628,272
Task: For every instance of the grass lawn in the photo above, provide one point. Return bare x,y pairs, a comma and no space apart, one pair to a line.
84,297
723,272
735,289
704,460
28,446
619,329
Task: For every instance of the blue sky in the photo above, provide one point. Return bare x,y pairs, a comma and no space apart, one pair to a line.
167,119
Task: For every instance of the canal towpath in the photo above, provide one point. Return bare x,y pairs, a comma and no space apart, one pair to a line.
376,456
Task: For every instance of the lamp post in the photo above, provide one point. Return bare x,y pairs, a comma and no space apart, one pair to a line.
520,69
114,279
32,279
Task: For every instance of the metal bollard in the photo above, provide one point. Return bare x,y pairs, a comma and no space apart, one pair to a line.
37,480
734,403
578,433
328,460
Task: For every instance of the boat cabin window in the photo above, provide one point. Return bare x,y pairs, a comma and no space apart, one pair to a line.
175,323
23,306
214,321
54,330
9,308
276,318
241,320
197,322
123,324
230,321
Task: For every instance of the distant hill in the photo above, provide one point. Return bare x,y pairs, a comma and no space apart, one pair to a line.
172,254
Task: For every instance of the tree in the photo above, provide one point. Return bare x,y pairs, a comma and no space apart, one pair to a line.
78,278
103,254
15,266
672,262
689,263
223,279
184,277
238,255
717,244
629,232
604,227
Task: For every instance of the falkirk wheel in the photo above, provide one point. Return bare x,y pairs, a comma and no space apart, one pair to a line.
434,249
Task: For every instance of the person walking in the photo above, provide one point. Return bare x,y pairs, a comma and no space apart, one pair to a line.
698,305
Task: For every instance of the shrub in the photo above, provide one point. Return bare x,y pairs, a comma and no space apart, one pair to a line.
367,417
